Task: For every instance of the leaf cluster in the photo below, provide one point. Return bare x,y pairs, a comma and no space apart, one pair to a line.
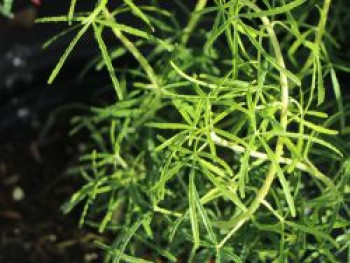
220,144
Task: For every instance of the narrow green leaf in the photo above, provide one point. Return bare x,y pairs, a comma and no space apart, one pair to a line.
338,97
244,168
320,85
310,138
65,55
222,187
124,28
127,237
281,177
170,141
203,214
184,110
192,210
124,257
138,12
315,127
170,126
175,226
213,168
270,59
51,19
71,10
313,231
163,252
107,60
166,175
59,35
273,11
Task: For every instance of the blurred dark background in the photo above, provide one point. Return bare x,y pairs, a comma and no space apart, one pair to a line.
35,148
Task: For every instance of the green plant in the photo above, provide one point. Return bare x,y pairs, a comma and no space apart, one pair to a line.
220,145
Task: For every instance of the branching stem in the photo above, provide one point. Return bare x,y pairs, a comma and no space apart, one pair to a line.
239,221
134,51
302,166
320,31
193,21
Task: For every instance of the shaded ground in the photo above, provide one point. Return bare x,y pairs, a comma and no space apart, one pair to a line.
33,187
35,150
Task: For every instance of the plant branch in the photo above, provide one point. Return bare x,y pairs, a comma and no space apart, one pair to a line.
193,21
134,51
320,31
302,166
256,154
239,221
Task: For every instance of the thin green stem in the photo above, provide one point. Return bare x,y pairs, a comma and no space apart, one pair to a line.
255,154
239,221
134,51
304,166
193,21
320,32
71,11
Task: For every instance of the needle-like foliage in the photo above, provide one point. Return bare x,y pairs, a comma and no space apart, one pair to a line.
227,140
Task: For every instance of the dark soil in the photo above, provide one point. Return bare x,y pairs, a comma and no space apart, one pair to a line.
35,148
34,184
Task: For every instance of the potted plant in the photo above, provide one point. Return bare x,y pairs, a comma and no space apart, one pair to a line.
226,140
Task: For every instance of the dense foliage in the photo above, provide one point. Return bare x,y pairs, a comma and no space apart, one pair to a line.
228,137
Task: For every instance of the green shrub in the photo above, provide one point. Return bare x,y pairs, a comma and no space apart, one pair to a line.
227,140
